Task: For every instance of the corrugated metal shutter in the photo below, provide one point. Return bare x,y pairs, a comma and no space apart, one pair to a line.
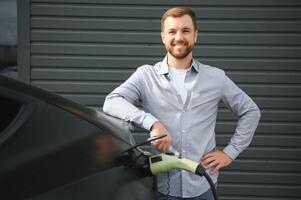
82,49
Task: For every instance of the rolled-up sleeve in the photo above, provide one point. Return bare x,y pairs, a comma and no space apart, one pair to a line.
248,115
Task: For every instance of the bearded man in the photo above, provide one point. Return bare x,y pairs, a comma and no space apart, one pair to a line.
180,97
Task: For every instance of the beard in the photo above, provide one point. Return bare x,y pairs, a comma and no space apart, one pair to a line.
180,54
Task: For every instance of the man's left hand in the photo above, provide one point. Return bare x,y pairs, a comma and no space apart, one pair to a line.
216,159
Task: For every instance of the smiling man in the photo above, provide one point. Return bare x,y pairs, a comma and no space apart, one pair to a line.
180,98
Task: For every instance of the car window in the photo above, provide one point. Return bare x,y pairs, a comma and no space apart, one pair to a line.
9,109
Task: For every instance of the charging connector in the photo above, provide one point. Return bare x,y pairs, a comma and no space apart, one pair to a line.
164,163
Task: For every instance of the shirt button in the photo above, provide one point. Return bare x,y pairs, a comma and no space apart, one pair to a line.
184,131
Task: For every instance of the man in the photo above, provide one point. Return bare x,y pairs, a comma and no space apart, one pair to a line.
180,98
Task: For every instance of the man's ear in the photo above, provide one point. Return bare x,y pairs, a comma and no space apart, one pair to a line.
196,36
162,37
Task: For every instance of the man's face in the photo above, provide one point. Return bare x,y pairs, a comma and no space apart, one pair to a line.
179,36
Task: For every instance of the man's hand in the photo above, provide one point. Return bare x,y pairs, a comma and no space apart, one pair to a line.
159,129
216,159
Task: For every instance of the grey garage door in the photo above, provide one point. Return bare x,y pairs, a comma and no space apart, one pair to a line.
82,49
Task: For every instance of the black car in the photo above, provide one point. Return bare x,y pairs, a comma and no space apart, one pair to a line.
53,148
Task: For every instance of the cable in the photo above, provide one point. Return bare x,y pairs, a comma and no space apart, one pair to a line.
201,171
212,186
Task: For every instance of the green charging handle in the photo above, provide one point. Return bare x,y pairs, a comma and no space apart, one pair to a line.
163,163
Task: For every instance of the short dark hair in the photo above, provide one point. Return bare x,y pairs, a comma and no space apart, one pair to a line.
178,12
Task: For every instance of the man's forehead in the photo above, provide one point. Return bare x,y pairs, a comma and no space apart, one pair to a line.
184,21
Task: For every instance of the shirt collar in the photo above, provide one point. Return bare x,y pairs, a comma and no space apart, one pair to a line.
164,66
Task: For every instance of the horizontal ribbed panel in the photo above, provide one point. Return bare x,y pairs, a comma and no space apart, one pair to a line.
153,25
157,50
132,37
153,12
122,75
272,3
107,86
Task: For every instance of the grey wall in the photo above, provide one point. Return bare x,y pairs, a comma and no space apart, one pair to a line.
8,37
82,49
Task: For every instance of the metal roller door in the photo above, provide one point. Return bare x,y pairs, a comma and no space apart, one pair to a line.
82,49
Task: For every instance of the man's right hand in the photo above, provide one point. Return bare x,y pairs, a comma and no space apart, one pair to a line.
159,129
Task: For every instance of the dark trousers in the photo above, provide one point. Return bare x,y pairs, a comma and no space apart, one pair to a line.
205,196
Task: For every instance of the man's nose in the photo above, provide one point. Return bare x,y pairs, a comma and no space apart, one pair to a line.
179,36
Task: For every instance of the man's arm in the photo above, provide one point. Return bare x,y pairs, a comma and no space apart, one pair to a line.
120,103
248,117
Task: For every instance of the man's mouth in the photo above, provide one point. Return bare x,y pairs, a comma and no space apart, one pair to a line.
179,45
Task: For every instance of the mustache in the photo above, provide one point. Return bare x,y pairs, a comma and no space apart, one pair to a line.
174,42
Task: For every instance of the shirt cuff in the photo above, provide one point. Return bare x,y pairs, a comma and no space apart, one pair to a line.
231,151
148,121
